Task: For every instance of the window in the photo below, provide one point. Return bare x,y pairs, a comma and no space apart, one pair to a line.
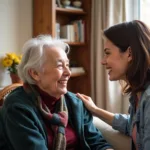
145,11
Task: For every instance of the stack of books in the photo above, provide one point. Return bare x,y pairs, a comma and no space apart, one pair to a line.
77,70
73,32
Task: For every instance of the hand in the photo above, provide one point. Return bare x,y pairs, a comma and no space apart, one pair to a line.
89,104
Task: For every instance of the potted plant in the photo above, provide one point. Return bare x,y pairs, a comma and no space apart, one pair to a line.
11,61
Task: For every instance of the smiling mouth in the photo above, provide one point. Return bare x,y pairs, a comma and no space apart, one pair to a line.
63,82
108,70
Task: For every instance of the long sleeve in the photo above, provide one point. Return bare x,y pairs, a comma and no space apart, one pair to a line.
82,120
146,123
92,135
121,123
21,120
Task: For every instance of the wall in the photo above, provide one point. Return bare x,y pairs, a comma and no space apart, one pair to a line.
15,29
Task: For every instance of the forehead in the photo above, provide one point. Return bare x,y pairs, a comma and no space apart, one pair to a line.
55,53
108,44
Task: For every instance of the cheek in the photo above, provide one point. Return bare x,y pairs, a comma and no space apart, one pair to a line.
111,61
121,66
54,78
50,77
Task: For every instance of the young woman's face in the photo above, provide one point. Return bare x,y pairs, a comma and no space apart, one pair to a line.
55,75
116,62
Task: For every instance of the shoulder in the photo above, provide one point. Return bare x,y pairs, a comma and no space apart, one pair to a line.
73,97
73,101
147,90
75,104
19,105
145,97
18,98
146,93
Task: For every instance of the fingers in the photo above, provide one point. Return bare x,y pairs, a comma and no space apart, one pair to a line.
80,96
83,97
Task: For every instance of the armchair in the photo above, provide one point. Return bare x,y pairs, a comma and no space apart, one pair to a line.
7,90
118,140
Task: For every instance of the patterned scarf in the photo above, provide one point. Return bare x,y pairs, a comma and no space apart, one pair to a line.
58,121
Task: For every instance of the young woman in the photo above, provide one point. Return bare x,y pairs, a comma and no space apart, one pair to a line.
127,58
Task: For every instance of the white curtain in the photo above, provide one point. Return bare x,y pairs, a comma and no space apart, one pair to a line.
106,13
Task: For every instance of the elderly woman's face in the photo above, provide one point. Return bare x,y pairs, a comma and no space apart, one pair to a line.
54,77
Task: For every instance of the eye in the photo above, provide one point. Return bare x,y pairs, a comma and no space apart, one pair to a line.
60,66
67,65
107,53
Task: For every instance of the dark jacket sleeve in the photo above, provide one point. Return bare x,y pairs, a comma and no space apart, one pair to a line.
82,120
21,120
92,135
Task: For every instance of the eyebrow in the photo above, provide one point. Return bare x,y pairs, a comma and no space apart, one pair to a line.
60,60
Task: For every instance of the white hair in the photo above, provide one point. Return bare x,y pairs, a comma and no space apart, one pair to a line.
33,55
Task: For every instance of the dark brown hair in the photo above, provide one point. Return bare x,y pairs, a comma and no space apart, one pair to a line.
136,35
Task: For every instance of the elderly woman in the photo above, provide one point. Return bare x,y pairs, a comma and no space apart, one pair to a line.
43,115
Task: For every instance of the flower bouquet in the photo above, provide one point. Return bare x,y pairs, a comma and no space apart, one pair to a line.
11,61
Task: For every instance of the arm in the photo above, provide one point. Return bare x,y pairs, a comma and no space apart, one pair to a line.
92,135
119,122
106,116
23,129
146,128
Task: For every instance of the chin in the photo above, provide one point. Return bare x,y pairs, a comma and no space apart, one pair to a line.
64,91
113,79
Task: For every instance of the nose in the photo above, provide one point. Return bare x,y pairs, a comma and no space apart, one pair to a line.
103,61
67,71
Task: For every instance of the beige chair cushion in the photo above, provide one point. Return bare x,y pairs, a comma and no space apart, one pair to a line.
118,140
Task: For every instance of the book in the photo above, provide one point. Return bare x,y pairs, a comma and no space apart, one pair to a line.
73,8
83,31
72,33
77,70
65,32
57,31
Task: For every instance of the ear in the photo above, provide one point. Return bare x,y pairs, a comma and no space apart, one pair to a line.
34,74
129,54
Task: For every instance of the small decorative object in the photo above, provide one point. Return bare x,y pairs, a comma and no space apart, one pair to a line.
77,3
66,2
10,61
58,3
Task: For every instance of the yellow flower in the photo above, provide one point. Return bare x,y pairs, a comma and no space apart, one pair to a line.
10,61
16,60
10,56
20,56
7,62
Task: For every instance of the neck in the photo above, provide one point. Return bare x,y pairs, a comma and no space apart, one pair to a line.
41,88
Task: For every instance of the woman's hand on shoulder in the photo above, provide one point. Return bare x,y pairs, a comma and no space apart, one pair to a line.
88,102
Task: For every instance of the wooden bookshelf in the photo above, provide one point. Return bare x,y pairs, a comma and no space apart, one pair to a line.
45,16
75,43
69,11
77,74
